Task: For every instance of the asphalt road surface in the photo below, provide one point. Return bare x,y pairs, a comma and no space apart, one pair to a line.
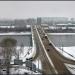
50,52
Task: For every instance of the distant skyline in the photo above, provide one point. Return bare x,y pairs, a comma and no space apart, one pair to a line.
33,9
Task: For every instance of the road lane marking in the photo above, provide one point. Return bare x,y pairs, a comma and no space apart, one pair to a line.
46,53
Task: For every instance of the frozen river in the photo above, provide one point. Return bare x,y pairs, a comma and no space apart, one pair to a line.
25,40
62,40
65,44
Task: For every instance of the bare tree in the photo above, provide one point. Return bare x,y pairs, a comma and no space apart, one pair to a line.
8,45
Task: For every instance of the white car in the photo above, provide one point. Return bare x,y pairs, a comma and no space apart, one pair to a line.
3,71
45,36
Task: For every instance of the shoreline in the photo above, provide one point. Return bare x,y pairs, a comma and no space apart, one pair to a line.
60,33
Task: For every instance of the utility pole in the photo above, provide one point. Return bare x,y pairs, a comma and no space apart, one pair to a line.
62,47
38,64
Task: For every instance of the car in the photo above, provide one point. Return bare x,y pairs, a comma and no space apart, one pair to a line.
29,58
3,69
47,49
45,36
50,44
26,73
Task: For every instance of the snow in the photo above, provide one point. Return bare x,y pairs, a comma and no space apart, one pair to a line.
61,33
24,52
61,24
28,26
14,33
71,68
27,52
17,70
21,71
68,52
3,71
38,64
23,55
7,26
32,53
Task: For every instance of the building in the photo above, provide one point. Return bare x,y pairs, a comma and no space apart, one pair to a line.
38,21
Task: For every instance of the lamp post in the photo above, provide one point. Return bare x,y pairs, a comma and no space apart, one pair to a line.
38,63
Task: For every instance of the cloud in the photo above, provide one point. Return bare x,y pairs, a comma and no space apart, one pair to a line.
26,9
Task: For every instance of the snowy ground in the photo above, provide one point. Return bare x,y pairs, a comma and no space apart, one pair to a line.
14,33
68,52
20,70
61,33
71,68
38,64
24,52
22,56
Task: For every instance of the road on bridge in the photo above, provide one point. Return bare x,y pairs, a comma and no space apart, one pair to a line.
46,66
52,60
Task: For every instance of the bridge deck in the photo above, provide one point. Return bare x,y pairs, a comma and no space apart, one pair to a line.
57,59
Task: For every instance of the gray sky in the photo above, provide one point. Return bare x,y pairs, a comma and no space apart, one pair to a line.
26,9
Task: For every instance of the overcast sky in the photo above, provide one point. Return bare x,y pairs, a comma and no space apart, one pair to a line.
26,9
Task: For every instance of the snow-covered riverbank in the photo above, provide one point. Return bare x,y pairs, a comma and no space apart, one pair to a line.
61,33
24,53
68,52
15,33
67,47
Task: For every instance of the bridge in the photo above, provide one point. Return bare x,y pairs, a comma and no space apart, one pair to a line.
52,61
